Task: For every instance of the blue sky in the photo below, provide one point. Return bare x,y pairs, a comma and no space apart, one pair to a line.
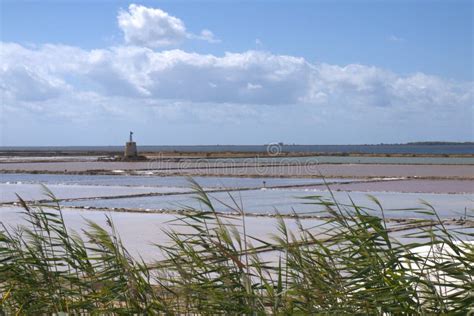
84,73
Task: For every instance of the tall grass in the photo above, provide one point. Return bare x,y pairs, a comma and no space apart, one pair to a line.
352,263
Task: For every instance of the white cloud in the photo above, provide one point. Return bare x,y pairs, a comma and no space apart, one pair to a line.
152,27
19,82
205,35
174,85
394,38
251,77
252,86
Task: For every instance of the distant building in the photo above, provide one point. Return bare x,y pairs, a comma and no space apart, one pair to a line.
131,148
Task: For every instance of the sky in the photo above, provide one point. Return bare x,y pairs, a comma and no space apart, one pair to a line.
235,72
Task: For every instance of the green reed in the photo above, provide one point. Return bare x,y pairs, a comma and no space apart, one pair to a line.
353,262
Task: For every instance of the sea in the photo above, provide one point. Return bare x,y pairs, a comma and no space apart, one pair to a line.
423,149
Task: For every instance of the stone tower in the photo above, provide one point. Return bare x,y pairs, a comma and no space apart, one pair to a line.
130,148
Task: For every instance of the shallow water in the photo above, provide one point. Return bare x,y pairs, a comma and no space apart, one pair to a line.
139,232
46,158
234,168
154,181
335,170
289,201
439,160
362,160
409,186
267,200
37,192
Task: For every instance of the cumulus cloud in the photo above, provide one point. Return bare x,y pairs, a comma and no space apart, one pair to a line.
174,85
206,35
153,27
251,77
19,82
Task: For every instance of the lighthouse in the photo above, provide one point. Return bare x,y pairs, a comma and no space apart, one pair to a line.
130,148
